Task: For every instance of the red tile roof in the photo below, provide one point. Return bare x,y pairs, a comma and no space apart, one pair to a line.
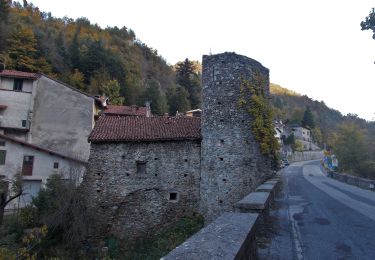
33,146
18,74
111,128
126,110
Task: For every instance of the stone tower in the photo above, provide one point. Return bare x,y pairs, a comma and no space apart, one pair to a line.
232,165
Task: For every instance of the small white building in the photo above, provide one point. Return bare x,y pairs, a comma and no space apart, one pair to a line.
44,127
35,164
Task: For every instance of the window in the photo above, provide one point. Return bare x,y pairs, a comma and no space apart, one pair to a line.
27,166
173,196
55,165
24,123
141,167
3,154
2,143
17,86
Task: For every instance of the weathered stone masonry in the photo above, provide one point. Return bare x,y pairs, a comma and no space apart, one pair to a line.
232,165
134,204
146,172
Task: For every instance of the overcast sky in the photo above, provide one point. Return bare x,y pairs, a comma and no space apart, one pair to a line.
314,47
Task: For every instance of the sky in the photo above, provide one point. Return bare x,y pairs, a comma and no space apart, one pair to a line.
314,47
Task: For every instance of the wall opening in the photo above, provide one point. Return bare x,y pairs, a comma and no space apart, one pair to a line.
141,167
173,196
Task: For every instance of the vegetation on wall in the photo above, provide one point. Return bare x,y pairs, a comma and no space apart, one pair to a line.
254,99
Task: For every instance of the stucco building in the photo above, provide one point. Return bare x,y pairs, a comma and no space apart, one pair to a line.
44,126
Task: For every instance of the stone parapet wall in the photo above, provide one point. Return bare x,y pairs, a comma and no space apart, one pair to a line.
354,180
305,156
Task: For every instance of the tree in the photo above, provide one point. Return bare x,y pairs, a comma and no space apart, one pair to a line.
158,100
349,147
188,77
5,198
112,90
77,80
369,22
298,146
4,9
308,119
178,99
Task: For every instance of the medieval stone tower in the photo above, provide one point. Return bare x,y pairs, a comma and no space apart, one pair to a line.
232,165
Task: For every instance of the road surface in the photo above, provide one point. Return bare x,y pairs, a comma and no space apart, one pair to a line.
316,217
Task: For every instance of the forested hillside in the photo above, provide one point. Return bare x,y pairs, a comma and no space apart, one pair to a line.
95,60
351,138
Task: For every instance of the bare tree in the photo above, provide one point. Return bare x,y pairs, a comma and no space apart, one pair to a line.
16,190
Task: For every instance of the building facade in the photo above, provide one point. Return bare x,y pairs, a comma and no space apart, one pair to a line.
44,126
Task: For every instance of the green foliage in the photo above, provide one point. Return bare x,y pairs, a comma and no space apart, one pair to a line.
290,140
178,100
298,146
157,98
162,242
308,119
255,101
349,147
188,76
369,22
112,90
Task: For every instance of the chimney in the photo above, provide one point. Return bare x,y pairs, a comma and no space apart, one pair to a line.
148,109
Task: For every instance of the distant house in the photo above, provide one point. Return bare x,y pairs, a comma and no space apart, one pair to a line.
44,126
302,133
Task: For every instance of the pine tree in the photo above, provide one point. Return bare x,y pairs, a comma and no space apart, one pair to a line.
308,119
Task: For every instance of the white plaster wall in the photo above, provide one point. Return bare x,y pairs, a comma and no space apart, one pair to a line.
62,119
18,107
43,164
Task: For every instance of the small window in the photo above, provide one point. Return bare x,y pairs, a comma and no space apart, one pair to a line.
173,196
55,165
17,86
24,123
3,154
2,143
141,167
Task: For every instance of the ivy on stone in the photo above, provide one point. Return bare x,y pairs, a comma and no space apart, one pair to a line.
254,100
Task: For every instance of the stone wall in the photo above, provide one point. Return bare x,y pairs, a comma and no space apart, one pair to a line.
305,156
232,165
129,185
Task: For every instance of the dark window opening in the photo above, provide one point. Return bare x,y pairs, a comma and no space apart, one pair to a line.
3,154
173,196
186,160
141,167
156,159
185,175
55,165
222,141
221,120
17,85
23,123
219,103
220,201
156,174
27,166
2,143
221,158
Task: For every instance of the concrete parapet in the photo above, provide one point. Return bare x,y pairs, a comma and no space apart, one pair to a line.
231,236
353,180
254,202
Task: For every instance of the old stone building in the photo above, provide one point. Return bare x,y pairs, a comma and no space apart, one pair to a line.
144,172
147,171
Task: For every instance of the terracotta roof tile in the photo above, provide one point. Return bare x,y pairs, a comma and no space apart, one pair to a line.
18,74
126,110
110,128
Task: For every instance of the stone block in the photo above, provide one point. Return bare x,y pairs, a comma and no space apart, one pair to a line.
267,187
231,236
254,202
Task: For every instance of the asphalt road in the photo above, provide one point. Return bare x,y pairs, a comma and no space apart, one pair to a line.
316,217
